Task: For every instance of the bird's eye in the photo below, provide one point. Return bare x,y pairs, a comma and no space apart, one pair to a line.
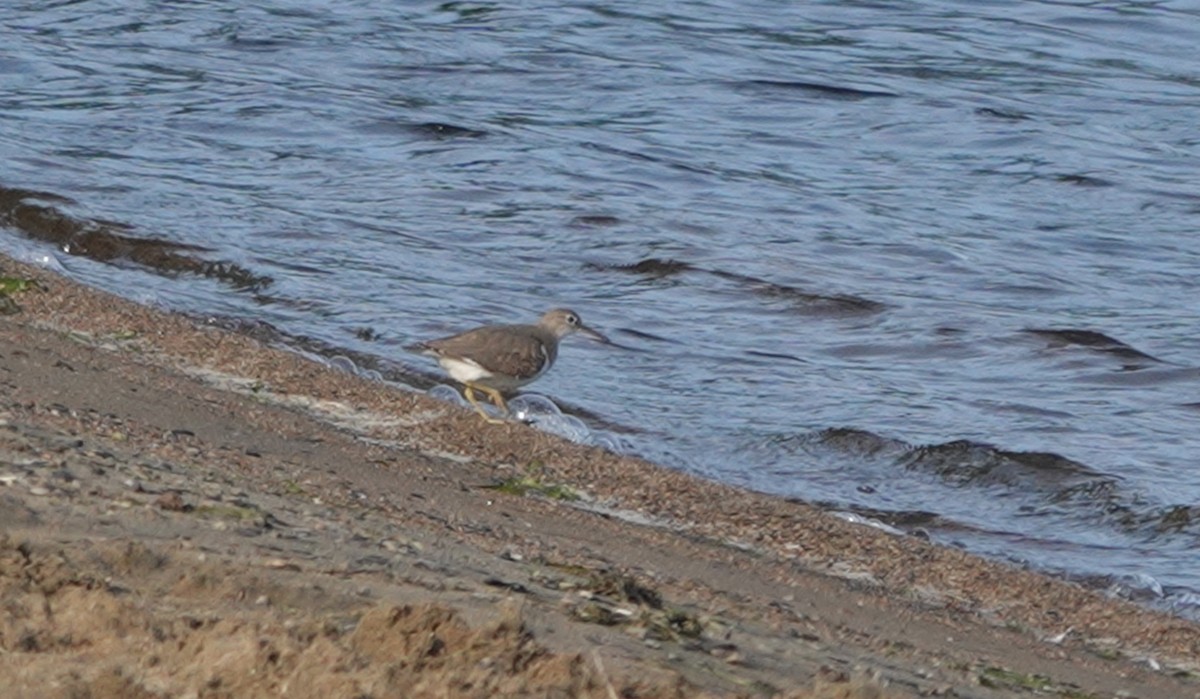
573,320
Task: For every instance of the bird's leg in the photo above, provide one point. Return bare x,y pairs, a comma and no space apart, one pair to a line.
469,393
497,398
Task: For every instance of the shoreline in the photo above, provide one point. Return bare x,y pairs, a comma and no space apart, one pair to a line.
189,468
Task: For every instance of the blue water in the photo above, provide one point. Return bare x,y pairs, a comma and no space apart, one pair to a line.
875,201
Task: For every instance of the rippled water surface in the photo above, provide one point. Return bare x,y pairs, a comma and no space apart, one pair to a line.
935,262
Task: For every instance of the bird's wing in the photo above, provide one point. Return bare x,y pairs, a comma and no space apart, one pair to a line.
497,349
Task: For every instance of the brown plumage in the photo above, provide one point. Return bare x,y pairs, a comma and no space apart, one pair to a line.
496,358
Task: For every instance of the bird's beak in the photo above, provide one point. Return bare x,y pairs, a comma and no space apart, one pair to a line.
585,330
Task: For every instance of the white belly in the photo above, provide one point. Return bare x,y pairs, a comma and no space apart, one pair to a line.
467,371
464,370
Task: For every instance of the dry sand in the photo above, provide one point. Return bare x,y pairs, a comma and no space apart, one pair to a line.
188,513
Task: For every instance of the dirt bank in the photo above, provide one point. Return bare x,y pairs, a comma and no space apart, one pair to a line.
186,512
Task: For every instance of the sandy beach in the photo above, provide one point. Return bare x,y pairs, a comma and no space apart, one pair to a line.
186,512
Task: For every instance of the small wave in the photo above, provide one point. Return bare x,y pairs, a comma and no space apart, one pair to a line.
108,241
822,89
1094,341
808,302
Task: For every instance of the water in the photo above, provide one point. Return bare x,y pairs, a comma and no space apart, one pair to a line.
932,262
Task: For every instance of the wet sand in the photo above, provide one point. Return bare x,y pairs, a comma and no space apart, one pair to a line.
186,512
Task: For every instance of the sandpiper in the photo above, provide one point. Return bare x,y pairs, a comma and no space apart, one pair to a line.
496,358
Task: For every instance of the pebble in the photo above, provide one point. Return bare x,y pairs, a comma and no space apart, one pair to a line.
172,502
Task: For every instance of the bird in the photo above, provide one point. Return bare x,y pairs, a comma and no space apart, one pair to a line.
497,358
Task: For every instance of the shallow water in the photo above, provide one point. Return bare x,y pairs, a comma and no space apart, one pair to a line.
934,262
